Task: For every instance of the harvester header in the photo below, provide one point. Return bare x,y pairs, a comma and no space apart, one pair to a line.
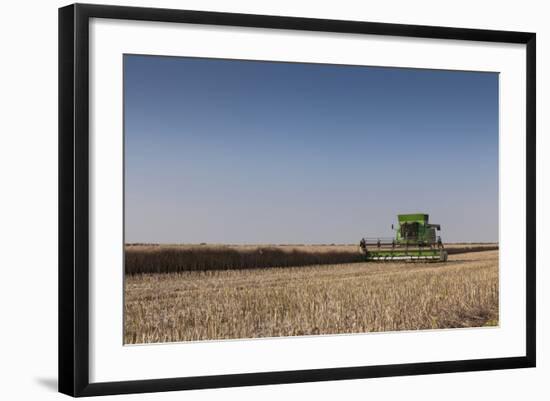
415,239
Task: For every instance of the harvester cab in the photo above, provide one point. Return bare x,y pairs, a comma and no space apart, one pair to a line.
415,240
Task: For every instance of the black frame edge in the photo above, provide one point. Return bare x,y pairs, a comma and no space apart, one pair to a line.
301,376
73,204
66,305
81,197
301,23
531,200
73,280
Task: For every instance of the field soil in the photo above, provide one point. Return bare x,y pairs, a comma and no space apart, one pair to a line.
234,303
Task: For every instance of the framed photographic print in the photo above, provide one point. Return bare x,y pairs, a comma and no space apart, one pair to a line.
250,199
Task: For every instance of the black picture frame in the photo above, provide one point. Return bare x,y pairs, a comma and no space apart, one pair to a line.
74,201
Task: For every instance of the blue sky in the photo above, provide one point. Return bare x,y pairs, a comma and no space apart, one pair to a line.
227,151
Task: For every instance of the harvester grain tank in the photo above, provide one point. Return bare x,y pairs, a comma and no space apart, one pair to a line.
415,240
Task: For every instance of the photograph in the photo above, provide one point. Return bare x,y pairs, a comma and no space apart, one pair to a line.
268,199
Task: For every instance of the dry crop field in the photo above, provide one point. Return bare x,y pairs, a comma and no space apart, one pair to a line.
151,258
201,301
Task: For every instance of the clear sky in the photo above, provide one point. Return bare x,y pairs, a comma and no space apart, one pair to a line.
225,151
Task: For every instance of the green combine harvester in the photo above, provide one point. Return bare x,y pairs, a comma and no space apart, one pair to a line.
415,240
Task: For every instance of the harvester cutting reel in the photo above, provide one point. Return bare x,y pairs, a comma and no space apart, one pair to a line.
390,250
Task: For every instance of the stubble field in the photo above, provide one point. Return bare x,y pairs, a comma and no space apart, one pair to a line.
232,303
